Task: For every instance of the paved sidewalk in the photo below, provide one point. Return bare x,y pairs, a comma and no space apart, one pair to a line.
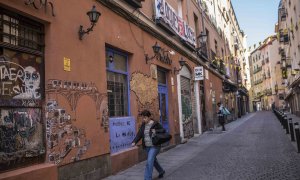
174,158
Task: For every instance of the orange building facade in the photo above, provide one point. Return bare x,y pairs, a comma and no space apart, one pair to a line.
69,106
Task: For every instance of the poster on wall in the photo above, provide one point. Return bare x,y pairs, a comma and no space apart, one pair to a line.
122,133
199,74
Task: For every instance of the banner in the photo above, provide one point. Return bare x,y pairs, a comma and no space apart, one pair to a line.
164,11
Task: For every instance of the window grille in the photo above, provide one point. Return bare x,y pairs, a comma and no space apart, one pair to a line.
117,83
20,31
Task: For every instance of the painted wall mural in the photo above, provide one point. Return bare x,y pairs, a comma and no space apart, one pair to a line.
63,136
67,142
144,87
73,91
146,90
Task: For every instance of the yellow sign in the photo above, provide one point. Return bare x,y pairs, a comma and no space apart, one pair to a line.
67,64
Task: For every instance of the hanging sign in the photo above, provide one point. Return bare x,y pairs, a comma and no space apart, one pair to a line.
199,73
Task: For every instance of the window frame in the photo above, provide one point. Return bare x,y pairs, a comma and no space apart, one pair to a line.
110,68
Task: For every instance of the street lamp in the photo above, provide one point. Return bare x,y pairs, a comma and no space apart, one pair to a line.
156,49
181,63
93,16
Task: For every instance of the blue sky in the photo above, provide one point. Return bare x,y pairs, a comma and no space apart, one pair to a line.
257,18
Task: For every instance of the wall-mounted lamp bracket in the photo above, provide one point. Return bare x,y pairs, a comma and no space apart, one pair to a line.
93,16
181,63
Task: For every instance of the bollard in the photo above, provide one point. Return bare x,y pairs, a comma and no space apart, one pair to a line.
284,121
292,129
297,132
286,125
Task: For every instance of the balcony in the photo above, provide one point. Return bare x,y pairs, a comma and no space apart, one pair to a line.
256,70
222,69
214,64
135,3
289,63
282,14
284,37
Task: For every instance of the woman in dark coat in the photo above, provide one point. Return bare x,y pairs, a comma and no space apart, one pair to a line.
148,128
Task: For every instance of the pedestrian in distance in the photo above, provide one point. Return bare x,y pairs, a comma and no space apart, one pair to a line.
148,128
221,116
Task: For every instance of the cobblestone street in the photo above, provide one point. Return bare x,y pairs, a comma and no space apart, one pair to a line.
254,147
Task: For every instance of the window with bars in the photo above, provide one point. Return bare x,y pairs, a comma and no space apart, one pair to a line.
19,31
117,83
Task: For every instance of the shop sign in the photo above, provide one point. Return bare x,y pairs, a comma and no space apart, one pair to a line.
199,74
164,11
122,133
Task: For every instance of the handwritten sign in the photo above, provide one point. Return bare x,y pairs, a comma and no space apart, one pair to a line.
122,133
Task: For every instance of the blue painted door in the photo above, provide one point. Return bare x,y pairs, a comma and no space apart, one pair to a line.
163,105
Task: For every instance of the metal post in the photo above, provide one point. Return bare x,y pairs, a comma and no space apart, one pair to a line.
292,129
286,123
297,136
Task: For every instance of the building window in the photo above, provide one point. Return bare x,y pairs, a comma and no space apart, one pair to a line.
117,83
20,31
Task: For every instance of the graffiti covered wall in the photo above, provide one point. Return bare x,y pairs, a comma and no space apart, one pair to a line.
21,124
68,138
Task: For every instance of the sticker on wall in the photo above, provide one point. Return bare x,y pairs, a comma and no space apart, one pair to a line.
67,64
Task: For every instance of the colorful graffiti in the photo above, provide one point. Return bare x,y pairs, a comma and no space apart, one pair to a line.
21,134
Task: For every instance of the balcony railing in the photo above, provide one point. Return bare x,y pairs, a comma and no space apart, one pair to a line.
256,70
284,37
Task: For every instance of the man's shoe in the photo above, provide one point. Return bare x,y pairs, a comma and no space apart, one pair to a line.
161,175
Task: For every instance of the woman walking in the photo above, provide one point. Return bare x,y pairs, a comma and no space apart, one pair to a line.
148,129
